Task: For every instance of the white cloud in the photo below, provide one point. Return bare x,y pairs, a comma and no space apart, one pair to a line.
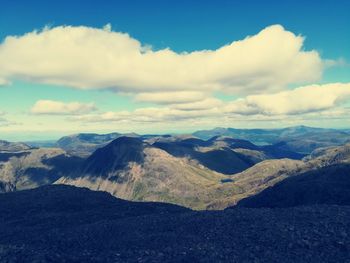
90,58
150,114
171,97
51,107
205,104
298,101
6,123
2,120
4,82
307,102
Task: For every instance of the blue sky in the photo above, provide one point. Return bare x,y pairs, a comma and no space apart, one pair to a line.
181,26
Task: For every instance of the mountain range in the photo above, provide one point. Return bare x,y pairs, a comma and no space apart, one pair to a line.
151,196
301,139
181,169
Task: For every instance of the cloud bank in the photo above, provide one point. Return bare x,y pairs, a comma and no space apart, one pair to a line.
312,101
90,58
298,101
51,107
183,88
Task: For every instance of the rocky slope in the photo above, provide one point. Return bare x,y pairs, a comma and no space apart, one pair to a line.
327,185
255,179
35,167
66,224
6,146
323,178
261,152
330,155
224,154
220,159
132,169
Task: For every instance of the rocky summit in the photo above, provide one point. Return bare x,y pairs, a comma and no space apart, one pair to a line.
67,224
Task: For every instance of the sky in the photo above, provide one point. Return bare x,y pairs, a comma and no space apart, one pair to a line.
171,66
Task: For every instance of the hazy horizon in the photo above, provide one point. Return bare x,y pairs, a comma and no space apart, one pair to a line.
42,136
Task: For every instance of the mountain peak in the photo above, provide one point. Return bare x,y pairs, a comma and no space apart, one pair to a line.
114,156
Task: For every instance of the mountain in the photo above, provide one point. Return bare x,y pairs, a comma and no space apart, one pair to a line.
323,179
42,143
66,224
83,144
6,146
114,156
132,169
224,154
292,142
274,151
220,159
327,185
255,179
180,170
301,139
187,171
34,167
263,135
330,155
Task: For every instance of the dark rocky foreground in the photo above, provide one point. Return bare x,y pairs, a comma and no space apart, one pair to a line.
67,224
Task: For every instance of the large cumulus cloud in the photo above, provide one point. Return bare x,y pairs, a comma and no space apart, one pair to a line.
91,58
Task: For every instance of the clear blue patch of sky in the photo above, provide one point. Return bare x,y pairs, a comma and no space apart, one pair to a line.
190,25
21,96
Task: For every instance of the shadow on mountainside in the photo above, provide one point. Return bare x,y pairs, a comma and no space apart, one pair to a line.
327,185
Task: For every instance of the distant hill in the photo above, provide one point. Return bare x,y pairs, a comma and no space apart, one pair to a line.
274,151
66,224
261,135
330,155
34,167
220,159
83,144
323,178
6,146
42,143
301,139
